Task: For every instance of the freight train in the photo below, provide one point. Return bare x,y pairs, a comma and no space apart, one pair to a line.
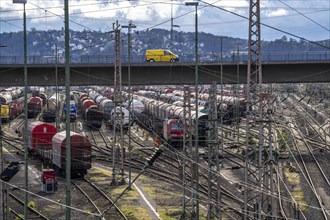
153,116
57,102
11,110
49,145
230,108
97,107
91,112
12,103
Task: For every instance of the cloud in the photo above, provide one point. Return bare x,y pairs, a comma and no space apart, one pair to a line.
99,15
277,13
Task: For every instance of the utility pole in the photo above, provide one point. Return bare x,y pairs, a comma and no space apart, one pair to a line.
56,88
195,174
237,103
67,116
129,26
26,173
2,204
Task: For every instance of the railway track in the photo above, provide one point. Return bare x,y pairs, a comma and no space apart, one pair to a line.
167,168
92,192
33,213
312,171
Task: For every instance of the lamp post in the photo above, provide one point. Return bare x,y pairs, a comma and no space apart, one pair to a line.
67,114
172,26
25,109
129,26
195,214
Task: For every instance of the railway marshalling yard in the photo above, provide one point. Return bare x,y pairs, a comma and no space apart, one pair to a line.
299,189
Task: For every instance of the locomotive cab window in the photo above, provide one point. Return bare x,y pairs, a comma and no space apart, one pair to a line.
176,126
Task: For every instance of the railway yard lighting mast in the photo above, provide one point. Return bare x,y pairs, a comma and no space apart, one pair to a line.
195,214
25,110
172,26
2,212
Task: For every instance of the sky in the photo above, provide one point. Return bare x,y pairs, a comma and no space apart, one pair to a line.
308,19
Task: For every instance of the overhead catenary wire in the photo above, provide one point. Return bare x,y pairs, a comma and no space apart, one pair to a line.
251,186
266,25
277,29
304,15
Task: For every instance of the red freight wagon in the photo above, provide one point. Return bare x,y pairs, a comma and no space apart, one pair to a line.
40,136
80,153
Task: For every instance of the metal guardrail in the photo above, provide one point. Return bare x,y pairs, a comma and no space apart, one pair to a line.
209,58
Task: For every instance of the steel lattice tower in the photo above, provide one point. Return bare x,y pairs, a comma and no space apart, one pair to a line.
118,152
214,197
253,171
187,151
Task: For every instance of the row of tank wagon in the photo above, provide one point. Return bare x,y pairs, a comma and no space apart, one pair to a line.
165,119
229,108
46,143
12,103
97,108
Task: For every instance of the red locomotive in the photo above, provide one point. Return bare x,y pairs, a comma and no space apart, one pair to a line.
34,106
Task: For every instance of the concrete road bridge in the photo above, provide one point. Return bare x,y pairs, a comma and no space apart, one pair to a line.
181,73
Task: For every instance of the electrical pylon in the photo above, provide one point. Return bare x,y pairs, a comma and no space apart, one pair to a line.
254,168
187,153
117,151
214,197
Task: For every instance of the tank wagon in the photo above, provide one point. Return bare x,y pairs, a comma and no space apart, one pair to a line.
54,102
5,98
106,107
37,90
120,115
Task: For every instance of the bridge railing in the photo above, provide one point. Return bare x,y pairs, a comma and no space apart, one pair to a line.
209,58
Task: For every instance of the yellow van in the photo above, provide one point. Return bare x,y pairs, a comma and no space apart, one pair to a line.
160,55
